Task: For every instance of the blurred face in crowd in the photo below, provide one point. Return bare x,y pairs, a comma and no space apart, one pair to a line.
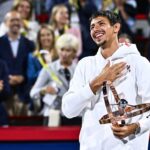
46,38
124,40
102,32
24,9
62,16
66,55
119,2
13,22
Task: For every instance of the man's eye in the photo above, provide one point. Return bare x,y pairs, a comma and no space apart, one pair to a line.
101,24
91,27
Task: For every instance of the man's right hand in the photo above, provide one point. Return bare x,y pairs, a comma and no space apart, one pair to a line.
109,73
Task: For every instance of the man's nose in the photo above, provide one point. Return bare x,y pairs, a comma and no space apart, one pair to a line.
64,53
96,27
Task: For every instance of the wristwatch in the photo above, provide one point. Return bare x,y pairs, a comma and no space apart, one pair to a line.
138,129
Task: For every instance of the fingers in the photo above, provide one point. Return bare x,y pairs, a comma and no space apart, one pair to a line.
119,74
118,67
106,67
110,73
108,64
119,131
117,128
51,90
124,131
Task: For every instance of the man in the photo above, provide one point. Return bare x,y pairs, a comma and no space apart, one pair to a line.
14,49
85,94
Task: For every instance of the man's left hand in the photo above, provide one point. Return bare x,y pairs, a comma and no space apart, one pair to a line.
124,131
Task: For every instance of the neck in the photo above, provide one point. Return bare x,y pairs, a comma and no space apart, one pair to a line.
47,48
109,49
66,64
60,26
13,36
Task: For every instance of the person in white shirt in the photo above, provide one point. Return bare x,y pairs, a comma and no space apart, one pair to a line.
85,92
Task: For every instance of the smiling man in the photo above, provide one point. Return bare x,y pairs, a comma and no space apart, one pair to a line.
85,95
14,49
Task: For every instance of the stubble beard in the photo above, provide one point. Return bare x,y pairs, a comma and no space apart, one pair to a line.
101,44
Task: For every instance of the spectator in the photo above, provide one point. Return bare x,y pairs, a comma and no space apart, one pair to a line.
108,5
30,26
49,4
67,46
124,38
43,8
14,49
45,41
60,21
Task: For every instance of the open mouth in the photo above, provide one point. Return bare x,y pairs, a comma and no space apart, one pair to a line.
99,35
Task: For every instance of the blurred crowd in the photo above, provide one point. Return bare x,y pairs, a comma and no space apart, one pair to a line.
41,42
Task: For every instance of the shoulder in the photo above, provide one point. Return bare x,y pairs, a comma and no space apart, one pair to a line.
54,65
86,64
25,39
31,56
139,60
141,64
4,37
30,44
87,60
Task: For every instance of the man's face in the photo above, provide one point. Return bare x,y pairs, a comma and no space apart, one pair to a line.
101,31
13,22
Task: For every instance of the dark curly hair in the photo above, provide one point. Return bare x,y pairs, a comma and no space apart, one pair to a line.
111,16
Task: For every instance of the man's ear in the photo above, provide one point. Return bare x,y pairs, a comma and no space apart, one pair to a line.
117,27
